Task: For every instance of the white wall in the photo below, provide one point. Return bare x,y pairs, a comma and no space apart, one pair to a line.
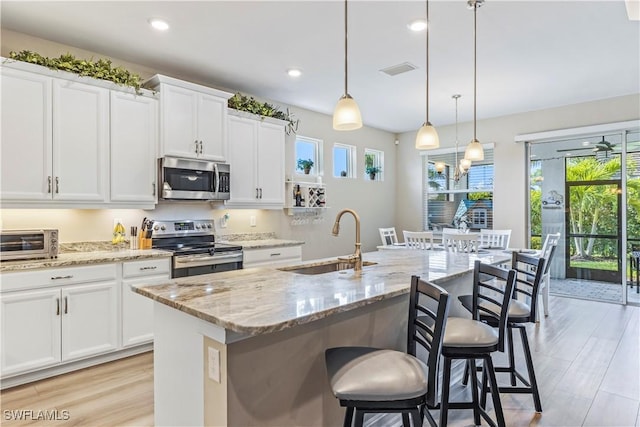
509,157
372,200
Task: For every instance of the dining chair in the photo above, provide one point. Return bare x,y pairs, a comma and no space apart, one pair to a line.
460,242
473,339
494,239
373,380
388,236
548,249
529,270
418,239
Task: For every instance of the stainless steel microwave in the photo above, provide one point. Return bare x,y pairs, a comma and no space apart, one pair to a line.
189,179
28,244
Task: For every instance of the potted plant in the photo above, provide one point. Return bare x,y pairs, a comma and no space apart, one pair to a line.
305,165
372,171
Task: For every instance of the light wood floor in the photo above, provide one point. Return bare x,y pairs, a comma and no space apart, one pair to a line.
586,355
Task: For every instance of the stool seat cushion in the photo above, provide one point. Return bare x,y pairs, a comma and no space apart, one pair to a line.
518,310
461,332
365,373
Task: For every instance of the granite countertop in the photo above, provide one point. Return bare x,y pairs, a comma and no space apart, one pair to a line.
265,243
257,301
262,240
83,258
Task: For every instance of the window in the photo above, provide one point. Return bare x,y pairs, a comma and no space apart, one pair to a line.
308,158
451,199
373,164
344,161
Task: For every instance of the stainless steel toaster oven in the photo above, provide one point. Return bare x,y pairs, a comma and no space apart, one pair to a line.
28,244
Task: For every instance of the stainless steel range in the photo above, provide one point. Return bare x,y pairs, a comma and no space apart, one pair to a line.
194,248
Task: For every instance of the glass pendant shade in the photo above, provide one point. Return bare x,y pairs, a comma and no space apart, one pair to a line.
474,151
465,164
439,167
347,116
427,137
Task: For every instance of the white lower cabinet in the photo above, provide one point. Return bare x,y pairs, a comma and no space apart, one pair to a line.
67,315
137,311
31,334
271,256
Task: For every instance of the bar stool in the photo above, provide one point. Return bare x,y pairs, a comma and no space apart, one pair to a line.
473,339
367,380
529,273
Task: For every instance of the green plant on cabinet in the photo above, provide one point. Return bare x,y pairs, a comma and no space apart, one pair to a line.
250,105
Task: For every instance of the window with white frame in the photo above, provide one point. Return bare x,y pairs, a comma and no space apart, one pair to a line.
450,199
344,161
307,156
373,164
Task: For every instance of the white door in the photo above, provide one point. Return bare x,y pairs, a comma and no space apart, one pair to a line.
179,121
133,148
89,320
211,127
271,163
80,141
30,330
25,153
243,160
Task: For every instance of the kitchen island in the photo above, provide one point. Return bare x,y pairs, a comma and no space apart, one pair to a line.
246,347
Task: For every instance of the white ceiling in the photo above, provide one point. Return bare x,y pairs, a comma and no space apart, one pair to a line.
531,54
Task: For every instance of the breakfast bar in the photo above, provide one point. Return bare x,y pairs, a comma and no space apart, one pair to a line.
246,347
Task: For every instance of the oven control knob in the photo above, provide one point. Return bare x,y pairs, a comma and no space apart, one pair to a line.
208,225
197,226
163,228
156,228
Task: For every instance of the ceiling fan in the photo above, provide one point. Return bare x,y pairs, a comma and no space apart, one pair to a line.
602,146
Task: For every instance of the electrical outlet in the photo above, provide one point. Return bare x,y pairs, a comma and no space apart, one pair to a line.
252,220
214,364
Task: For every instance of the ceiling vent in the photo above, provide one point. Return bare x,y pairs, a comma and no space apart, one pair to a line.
394,70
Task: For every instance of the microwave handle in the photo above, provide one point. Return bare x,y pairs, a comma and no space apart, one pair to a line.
217,182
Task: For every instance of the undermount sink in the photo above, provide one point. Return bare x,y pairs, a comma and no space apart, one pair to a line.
327,267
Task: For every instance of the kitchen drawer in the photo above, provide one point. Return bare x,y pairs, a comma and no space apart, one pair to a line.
21,280
150,267
272,256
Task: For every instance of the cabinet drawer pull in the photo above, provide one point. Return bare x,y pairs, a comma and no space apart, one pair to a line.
49,184
57,185
148,268
154,189
66,305
276,254
62,277
57,306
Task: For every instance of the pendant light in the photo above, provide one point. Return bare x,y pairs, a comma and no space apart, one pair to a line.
474,150
346,116
460,170
427,137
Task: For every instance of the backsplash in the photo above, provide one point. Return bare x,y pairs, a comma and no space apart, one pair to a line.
235,237
92,246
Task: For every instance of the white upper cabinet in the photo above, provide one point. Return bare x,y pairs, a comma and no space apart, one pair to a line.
74,142
134,124
256,156
80,141
25,152
193,119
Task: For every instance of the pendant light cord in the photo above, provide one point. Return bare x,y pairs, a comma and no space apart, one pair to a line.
475,56
456,98
345,48
426,95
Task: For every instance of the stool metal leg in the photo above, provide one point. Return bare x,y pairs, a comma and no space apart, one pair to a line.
359,418
471,363
444,402
532,374
495,394
348,417
512,357
405,420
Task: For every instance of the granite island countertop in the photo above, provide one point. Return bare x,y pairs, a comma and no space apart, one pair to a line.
265,243
83,258
261,300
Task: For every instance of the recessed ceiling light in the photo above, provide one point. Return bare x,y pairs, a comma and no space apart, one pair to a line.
159,24
417,25
294,72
